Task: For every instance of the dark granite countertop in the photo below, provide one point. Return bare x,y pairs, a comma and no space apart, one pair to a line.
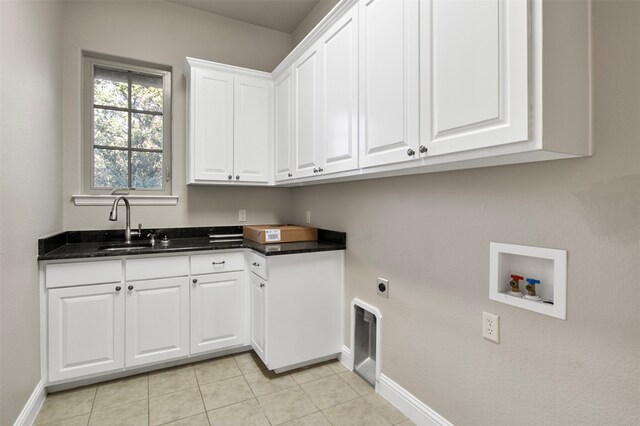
90,244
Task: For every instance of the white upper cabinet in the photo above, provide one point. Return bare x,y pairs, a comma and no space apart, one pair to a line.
391,87
308,102
211,140
319,94
284,126
252,129
388,81
473,74
229,124
339,88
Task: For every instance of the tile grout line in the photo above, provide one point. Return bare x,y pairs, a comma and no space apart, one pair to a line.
343,402
204,406
95,395
148,399
250,388
243,375
206,413
181,390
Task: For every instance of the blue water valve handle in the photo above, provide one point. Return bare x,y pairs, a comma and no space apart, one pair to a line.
533,281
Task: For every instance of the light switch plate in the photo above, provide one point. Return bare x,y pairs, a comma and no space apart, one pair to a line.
242,215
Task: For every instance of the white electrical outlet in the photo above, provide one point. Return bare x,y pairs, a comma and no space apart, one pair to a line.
491,327
242,215
308,216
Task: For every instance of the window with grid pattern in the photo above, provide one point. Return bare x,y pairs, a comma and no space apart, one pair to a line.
127,126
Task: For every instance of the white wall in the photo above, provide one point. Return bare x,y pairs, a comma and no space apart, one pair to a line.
31,184
429,235
165,33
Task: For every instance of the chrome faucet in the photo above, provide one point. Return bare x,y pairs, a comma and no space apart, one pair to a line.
113,216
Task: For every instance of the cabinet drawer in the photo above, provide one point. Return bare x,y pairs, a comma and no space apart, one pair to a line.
258,265
157,267
217,262
70,274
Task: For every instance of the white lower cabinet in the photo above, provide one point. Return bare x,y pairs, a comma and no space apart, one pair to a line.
112,315
100,328
258,315
86,330
157,313
296,315
218,311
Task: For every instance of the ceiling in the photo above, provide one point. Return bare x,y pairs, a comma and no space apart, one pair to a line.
280,15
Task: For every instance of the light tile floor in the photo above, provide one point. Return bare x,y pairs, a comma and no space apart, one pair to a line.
232,390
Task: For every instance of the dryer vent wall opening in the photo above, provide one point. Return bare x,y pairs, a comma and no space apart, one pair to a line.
365,344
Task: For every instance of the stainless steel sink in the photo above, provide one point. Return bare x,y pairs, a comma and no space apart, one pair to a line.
125,247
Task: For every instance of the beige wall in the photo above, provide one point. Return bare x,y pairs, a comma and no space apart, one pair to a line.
31,182
165,33
316,14
429,235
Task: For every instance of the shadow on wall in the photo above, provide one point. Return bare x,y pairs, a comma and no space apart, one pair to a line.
220,204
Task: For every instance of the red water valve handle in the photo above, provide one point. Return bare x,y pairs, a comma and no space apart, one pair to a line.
516,277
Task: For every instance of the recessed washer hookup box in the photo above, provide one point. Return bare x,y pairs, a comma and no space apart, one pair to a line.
266,234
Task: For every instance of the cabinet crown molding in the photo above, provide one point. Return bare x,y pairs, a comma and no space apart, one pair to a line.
190,63
332,17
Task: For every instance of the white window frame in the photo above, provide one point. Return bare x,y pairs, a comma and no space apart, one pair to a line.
89,62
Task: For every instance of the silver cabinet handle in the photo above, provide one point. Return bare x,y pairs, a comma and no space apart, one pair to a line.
195,281
315,170
256,264
237,177
261,285
230,177
218,263
320,170
423,149
289,174
410,152
118,288
130,287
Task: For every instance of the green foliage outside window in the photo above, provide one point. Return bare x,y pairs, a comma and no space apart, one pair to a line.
127,130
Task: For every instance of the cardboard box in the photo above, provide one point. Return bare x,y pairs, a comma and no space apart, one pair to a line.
267,234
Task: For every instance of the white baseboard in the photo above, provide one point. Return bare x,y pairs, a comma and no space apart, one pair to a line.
416,410
30,410
345,358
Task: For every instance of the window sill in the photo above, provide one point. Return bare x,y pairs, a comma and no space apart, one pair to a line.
134,200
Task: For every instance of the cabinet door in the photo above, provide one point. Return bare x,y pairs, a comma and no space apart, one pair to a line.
474,84
307,111
339,86
218,311
86,330
258,316
388,81
252,129
212,125
157,320
284,126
